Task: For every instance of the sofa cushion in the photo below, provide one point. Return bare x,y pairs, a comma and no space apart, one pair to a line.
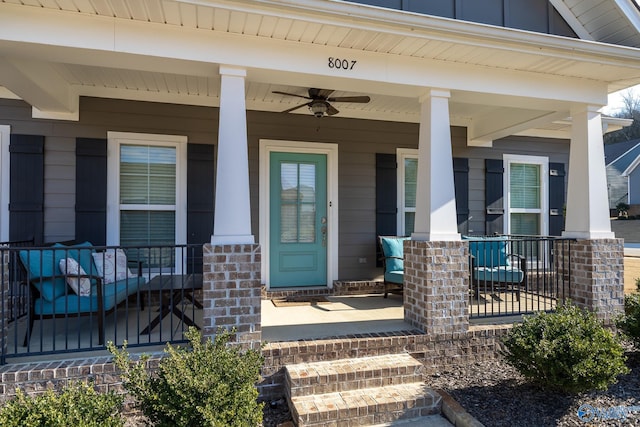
502,274
112,265
113,295
394,276
489,251
70,268
44,263
393,247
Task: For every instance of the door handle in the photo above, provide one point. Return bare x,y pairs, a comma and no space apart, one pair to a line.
323,230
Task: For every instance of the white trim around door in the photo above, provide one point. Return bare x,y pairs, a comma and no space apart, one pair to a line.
5,176
331,150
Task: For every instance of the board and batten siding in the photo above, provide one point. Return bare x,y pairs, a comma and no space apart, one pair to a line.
358,142
59,188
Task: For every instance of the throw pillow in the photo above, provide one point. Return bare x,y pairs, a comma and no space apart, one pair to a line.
112,265
80,285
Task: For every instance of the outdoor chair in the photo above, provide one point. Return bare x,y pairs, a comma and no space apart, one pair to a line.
494,268
392,250
74,291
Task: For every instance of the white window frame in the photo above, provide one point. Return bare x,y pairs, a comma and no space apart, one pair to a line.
401,155
543,162
5,185
114,141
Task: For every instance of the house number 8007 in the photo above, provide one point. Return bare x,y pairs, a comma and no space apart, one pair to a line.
341,64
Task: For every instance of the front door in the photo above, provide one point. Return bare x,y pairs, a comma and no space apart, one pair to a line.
298,217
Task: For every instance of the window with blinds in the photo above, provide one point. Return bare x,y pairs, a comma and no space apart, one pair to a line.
148,199
525,198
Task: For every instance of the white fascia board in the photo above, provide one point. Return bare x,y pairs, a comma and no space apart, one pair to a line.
630,11
353,15
632,167
149,45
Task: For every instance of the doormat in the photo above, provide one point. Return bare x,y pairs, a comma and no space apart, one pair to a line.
300,301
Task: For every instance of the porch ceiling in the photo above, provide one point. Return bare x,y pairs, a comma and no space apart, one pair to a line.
52,74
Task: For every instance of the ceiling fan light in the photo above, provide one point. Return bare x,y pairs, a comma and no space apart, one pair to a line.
318,108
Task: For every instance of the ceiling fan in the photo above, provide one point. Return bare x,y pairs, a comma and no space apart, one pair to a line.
319,103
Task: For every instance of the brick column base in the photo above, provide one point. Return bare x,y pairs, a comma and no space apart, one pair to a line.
231,292
597,276
436,286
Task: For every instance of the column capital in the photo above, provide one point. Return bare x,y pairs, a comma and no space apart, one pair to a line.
586,108
434,93
228,70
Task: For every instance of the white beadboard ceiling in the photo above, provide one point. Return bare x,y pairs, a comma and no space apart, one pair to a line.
312,22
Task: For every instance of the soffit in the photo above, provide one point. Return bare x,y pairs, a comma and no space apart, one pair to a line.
343,25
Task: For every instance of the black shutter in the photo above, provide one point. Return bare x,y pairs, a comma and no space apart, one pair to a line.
91,190
200,200
26,195
556,198
386,198
493,196
461,184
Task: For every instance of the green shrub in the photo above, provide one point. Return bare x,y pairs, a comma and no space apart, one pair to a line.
76,405
569,350
210,384
629,322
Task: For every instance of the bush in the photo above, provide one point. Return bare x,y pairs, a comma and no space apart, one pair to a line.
76,405
211,384
629,323
569,350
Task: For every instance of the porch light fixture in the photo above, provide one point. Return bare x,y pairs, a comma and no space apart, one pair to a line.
318,108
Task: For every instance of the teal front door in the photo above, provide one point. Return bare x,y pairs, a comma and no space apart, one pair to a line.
298,220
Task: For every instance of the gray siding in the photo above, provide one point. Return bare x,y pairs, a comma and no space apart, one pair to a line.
59,188
617,186
531,15
358,141
634,187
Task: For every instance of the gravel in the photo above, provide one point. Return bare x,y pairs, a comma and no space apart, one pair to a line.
497,395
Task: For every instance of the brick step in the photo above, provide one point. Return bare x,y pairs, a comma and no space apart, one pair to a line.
351,374
368,406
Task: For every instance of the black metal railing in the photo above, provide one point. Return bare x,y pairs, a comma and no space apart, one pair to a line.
71,298
514,275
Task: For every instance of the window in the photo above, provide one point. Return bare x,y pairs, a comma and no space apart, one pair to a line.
146,194
407,183
526,201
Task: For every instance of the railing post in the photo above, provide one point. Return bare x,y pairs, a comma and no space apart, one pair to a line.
232,291
4,295
436,286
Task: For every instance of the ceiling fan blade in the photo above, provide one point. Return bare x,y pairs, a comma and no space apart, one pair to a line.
295,108
360,99
320,93
331,110
290,94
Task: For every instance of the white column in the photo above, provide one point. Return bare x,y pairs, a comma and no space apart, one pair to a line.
232,222
587,215
435,193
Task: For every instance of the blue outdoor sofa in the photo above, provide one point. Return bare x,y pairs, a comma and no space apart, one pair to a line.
52,297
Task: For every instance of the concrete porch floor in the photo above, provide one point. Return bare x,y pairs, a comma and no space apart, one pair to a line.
355,315
343,316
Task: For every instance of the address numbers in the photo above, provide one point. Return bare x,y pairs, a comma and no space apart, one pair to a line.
341,64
